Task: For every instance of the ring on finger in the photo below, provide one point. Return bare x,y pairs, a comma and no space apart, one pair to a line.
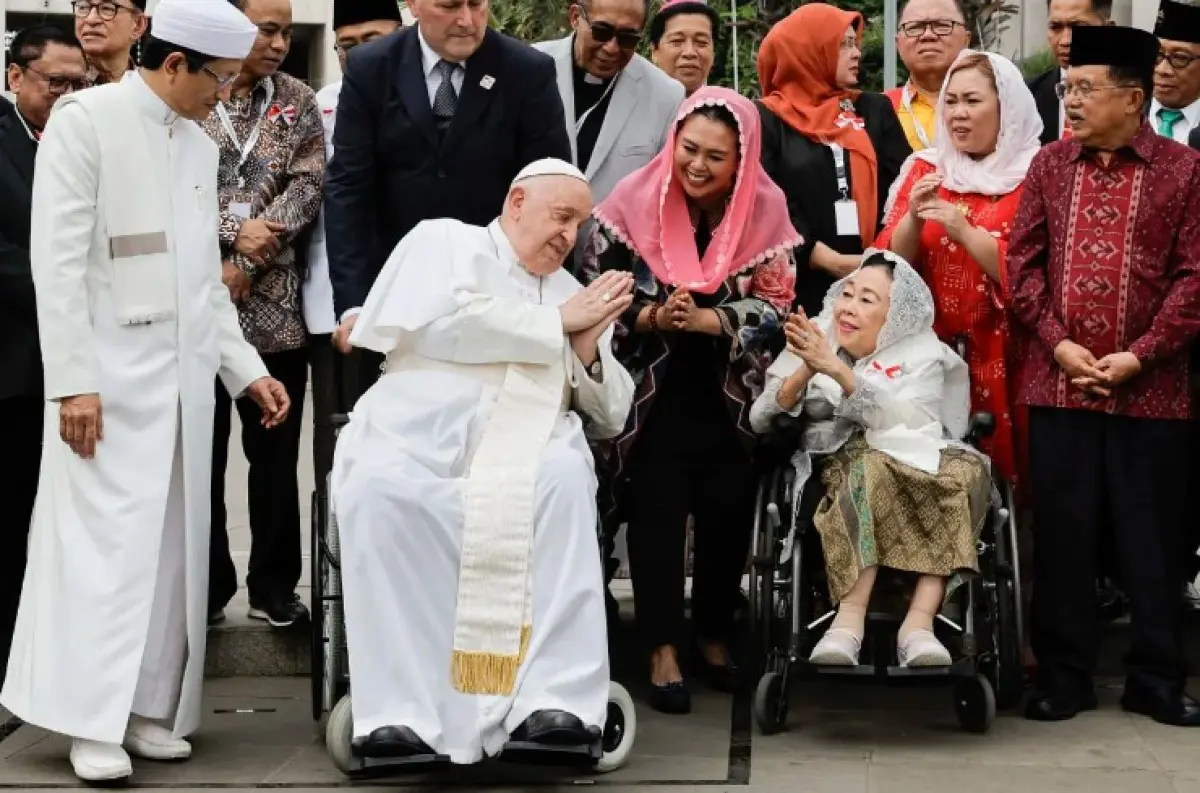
606,297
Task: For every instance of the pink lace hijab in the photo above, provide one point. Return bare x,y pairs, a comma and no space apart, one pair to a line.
648,211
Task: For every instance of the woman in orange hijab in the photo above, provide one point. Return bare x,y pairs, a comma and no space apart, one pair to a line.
834,150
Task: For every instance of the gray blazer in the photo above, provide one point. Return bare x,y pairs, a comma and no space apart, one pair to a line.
627,140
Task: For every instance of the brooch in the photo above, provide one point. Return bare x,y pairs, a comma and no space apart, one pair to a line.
288,114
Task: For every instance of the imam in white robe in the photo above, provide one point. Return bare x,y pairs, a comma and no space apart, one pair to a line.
454,298
114,606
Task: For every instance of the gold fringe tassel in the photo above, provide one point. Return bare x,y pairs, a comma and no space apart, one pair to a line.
488,673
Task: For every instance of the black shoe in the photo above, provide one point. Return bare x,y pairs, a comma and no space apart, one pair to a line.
1047,706
280,612
555,728
387,742
673,698
726,678
1166,705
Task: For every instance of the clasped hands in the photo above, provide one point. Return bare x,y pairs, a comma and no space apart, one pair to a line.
805,340
590,311
925,204
1096,378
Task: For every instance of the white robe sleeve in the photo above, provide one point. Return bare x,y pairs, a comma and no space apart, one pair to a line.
65,186
605,403
449,298
911,400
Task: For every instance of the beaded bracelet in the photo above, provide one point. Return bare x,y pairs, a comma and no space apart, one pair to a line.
653,318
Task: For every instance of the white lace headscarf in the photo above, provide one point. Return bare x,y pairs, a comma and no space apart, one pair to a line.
1019,139
907,333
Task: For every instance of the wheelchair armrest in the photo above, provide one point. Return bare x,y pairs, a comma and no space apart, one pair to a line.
981,425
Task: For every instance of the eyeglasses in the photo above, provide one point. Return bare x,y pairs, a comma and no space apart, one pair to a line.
1085,90
58,84
940,28
222,82
1178,60
105,9
604,32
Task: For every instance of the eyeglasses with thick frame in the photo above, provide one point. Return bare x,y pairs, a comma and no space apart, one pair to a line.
603,32
107,10
59,84
940,28
1178,60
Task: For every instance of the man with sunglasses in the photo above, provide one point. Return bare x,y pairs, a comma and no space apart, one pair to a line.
618,104
134,326
109,30
931,35
47,63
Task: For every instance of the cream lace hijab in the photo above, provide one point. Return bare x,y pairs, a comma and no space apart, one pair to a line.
913,393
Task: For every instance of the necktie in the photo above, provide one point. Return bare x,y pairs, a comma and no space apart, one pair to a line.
445,100
1167,119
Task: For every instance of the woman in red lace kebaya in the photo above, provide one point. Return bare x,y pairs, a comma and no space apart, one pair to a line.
951,216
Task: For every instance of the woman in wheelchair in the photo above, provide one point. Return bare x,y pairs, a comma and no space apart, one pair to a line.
884,404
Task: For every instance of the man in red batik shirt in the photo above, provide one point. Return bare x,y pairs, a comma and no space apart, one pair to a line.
1104,264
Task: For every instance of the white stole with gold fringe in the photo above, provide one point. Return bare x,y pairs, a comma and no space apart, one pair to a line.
494,611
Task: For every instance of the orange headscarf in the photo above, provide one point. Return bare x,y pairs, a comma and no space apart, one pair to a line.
797,68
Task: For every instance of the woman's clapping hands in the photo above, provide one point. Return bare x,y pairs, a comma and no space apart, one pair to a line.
805,339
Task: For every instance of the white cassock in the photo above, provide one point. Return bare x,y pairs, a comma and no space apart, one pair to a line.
461,320
130,306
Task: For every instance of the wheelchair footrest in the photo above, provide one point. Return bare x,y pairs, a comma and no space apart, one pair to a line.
530,753
414,763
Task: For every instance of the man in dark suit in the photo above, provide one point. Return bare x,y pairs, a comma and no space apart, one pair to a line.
434,121
47,62
1064,17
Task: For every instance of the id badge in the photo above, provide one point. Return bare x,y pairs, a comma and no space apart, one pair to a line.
240,210
846,214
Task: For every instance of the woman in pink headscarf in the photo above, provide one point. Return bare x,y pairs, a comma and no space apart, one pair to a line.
706,233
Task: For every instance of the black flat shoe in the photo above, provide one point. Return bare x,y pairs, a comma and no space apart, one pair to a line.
1173,709
726,678
1044,706
673,698
555,728
398,741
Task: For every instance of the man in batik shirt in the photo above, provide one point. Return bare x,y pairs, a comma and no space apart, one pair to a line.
272,166
1104,266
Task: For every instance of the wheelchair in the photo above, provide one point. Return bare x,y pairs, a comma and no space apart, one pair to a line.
330,672
789,606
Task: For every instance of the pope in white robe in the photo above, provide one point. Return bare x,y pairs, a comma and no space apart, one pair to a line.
464,487
135,325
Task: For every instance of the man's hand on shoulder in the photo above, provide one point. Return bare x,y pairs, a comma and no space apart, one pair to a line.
81,423
270,395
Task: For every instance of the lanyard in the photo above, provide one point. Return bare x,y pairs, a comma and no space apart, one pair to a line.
906,104
608,90
252,138
839,165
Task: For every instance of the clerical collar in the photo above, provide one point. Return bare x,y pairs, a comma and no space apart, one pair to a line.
589,79
151,103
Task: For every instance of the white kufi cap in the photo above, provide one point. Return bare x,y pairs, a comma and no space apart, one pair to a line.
549,166
210,27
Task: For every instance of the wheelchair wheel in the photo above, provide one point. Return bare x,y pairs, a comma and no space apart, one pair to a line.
770,704
762,567
339,735
336,661
620,729
1008,673
975,704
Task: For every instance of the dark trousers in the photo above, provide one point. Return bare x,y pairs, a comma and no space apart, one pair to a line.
328,384
21,418
681,467
273,492
1092,473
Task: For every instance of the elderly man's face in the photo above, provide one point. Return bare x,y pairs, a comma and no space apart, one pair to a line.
454,29
607,33
1098,108
544,215
1177,77
932,33
57,71
108,27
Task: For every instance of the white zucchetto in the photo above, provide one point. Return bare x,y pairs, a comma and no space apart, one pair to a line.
550,166
210,27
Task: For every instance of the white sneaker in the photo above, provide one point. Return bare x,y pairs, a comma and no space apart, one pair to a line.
147,740
94,761
921,648
838,647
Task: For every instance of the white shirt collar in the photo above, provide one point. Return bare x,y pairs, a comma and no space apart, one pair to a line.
151,103
1191,113
429,58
